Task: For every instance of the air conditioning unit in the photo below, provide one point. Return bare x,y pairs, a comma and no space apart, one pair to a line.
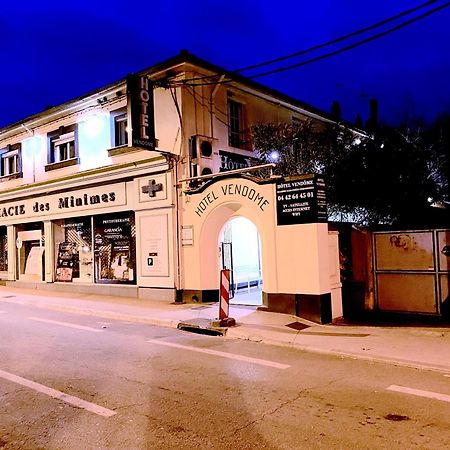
201,155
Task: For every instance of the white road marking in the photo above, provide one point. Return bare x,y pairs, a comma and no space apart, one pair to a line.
75,401
420,393
66,324
3,312
262,362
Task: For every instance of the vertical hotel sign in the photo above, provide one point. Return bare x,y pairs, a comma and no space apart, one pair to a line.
141,111
301,200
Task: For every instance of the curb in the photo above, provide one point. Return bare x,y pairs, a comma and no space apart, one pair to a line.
234,333
345,354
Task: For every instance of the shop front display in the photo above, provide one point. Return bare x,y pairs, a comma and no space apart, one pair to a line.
3,250
114,248
73,239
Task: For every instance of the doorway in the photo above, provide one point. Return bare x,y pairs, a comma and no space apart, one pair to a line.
30,255
240,251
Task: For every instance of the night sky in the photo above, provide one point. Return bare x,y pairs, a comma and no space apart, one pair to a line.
53,51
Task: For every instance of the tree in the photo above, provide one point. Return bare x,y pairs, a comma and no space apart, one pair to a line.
437,140
385,178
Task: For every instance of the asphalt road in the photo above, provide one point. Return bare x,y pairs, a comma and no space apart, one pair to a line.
69,381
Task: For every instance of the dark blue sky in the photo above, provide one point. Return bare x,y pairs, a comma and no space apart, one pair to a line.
54,51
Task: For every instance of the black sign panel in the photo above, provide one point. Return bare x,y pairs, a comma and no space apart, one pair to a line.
301,200
141,106
233,161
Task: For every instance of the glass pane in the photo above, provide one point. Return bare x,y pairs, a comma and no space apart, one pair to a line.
73,241
114,248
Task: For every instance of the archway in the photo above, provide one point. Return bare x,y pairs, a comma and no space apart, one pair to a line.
240,251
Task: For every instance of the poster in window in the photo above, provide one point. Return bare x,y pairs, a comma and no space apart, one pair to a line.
113,250
67,261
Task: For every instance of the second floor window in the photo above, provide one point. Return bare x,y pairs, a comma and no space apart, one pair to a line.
62,145
120,130
235,124
10,161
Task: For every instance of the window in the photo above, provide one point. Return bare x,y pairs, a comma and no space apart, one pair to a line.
120,130
114,248
235,124
119,127
10,160
63,147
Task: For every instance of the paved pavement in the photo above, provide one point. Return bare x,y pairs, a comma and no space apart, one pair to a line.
422,347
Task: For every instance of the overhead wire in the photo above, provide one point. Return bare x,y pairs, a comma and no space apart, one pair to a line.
326,55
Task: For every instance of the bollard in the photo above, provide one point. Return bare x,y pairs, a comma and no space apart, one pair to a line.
224,303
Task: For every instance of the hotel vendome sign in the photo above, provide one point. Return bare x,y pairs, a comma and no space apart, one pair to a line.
301,200
141,111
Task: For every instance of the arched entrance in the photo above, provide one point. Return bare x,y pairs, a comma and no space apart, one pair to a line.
240,251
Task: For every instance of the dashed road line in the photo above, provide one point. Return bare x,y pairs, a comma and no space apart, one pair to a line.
261,362
75,401
66,324
419,393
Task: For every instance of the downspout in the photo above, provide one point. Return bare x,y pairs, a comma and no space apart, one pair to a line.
211,103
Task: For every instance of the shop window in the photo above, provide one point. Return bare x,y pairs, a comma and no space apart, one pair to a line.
114,248
236,135
3,250
10,164
74,261
62,148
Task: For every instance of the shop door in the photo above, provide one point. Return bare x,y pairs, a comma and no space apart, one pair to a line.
30,255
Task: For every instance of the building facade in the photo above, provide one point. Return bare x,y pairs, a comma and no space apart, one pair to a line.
102,194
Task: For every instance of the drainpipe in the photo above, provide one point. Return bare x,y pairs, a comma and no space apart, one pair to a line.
211,103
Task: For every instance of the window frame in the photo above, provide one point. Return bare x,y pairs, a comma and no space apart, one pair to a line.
60,152
236,123
11,153
119,138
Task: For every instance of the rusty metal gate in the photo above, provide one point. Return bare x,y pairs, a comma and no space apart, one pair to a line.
412,271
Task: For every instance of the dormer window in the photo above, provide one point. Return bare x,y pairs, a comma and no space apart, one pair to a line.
10,161
62,148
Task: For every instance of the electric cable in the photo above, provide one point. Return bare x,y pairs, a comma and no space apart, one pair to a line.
324,56
324,44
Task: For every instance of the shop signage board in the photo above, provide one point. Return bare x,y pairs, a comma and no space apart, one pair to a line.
66,204
301,200
233,161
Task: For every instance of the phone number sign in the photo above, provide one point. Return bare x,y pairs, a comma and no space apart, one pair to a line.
301,200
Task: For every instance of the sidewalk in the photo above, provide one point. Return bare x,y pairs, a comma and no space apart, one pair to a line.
418,347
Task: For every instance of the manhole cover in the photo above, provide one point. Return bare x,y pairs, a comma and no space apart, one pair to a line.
396,417
297,326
